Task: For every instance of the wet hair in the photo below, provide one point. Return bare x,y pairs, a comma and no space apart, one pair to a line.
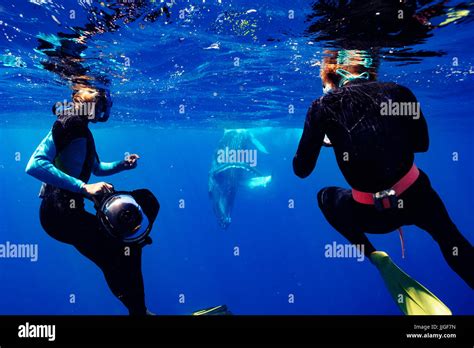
355,62
85,95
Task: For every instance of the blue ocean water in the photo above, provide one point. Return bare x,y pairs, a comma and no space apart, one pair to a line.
227,64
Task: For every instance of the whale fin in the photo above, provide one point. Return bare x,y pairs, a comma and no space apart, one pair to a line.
260,147
258,181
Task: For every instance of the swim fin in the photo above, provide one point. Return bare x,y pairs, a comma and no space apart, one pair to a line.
219,310
411,297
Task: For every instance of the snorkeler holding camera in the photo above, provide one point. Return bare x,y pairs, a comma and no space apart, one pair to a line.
64,161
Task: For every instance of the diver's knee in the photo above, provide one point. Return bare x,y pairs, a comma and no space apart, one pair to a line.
323,198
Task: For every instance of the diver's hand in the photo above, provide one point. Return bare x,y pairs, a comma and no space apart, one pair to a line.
97,189
131,161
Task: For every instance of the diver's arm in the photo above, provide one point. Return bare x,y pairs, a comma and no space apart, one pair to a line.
420,137
42,168
418,127
107,168
110,168
310,143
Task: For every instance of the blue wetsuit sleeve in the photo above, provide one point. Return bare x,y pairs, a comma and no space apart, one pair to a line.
107,168
41,167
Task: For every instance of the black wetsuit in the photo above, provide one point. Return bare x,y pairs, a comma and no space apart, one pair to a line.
373,153
64,218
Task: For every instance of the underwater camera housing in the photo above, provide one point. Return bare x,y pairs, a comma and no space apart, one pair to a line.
128,216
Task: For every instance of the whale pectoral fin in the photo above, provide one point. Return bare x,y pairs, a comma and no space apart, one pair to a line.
260,147
210,185
258,181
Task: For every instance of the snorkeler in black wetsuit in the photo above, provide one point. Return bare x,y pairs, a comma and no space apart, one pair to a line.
374,153
64,161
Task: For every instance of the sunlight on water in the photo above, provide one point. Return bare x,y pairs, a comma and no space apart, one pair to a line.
207,62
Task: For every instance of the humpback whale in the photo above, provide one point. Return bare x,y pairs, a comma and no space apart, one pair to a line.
234,166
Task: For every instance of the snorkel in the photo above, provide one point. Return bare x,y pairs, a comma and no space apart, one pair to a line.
352,57
344,66
103,106
349,77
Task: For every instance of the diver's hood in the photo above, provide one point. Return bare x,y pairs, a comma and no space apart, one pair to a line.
128,216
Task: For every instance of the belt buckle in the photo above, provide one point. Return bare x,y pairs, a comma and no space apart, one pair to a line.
381,196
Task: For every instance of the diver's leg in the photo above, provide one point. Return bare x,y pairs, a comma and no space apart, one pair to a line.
353,220
433,217
123,272
336,205
121,266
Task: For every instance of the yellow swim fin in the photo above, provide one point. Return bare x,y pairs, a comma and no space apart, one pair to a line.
454,15
218,310
412,297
